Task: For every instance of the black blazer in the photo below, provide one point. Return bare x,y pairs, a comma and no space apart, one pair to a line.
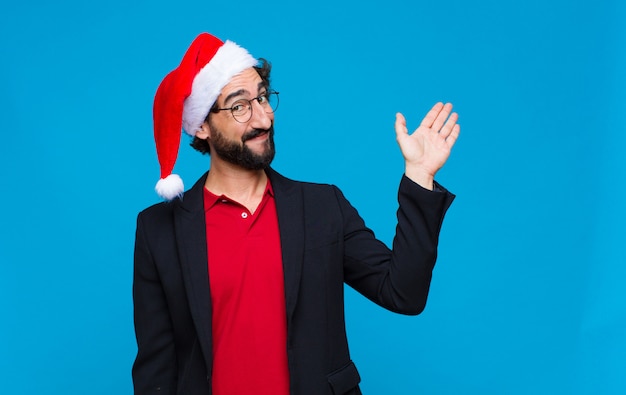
324,244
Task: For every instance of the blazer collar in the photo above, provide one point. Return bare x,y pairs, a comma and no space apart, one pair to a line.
192,200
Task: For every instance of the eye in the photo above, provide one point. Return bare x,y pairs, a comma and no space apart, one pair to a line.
239,107
263,99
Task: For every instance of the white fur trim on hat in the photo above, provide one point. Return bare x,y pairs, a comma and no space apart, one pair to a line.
170,187
229,60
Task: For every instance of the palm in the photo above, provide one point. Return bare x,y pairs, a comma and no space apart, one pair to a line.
428,148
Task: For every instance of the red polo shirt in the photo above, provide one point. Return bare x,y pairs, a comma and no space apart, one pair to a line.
248,298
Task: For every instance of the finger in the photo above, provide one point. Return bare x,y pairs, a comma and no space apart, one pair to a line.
441,117
454,135
449,125
400,125
432,115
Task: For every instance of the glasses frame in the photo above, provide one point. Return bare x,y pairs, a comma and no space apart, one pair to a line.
258,98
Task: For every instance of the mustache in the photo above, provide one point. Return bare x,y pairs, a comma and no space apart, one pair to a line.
257,132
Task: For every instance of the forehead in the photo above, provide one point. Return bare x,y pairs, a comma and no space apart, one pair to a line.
245,82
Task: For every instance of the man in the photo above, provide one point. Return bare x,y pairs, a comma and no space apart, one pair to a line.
238,283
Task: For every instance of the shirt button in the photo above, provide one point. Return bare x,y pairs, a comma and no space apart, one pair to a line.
244,215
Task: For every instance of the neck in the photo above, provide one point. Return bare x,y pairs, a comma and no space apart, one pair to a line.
241,185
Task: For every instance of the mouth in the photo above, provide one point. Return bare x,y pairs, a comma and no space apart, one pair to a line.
254,134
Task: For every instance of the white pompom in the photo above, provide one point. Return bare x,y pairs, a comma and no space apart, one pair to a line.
170,187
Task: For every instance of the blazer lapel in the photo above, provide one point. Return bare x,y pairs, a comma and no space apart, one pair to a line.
192,250
290,211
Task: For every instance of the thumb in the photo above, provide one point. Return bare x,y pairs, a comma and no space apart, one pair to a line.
401,129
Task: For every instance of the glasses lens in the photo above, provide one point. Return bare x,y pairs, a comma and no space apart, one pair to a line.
272,101
241,111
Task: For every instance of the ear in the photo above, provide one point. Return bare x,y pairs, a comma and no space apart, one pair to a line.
204,132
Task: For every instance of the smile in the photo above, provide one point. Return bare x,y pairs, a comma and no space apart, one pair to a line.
256,135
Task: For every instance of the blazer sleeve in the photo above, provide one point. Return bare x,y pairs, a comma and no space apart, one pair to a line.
397,279
154,370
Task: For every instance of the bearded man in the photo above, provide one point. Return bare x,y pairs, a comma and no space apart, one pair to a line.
238,282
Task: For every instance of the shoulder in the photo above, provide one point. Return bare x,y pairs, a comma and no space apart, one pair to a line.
191,200
313,197
283,183
157,209
157,215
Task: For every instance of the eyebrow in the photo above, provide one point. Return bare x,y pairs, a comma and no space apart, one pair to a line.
242,91
234,94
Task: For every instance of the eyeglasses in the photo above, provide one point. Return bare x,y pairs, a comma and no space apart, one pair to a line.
242,109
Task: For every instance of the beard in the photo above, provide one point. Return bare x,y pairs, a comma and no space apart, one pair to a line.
238,153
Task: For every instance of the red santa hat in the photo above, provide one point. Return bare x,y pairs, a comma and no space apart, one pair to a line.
186,95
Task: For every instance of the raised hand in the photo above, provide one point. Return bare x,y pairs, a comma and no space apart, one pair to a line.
426,150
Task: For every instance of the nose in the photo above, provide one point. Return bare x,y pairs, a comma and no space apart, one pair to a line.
260,119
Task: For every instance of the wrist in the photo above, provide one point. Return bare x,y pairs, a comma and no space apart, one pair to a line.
421,177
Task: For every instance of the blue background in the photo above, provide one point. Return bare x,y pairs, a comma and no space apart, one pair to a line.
527,295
